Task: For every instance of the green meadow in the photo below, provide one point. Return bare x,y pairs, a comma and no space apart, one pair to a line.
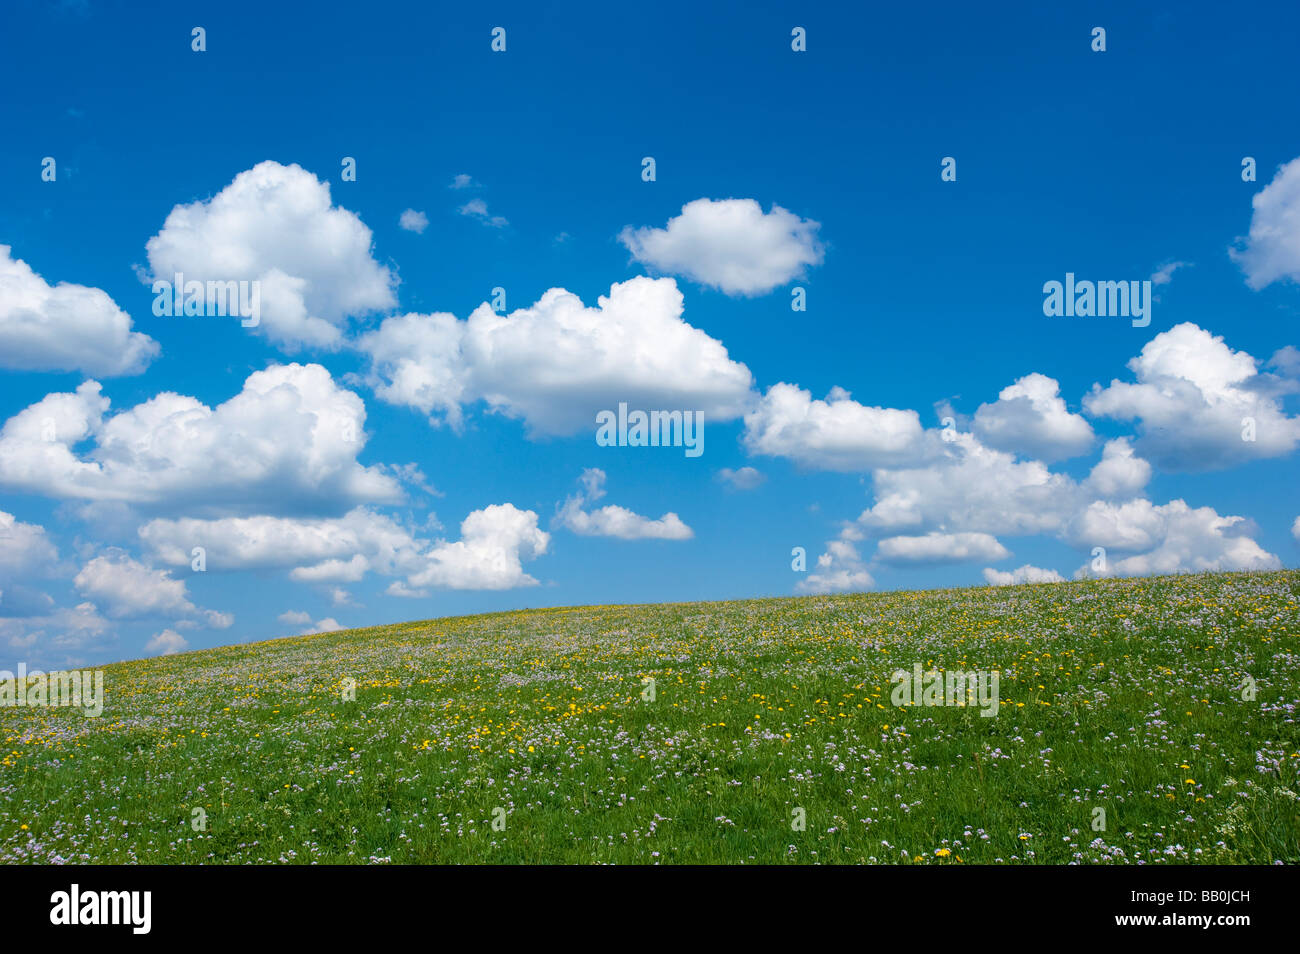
1141,720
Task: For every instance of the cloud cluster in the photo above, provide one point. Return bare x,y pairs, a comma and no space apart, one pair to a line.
316,550
288,440
839,570
477,209
955,503
127,589
1180,539
61,634
326,550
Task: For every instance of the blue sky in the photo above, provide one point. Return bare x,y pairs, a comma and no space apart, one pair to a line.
774,170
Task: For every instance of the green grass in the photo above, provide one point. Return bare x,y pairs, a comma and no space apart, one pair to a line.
1121,695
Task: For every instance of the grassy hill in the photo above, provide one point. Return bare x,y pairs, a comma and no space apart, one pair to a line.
1119,695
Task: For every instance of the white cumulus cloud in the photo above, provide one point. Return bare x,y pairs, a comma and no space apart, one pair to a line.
289,439
128,589
1197,404
488,556
972,488
1024,574
742,478
936,547
1181,539
65,327
344,549
277,225
558,362
414,221
1120,472
1030,417
25,549
1272,249
60,635
614,521
839,570
729,244
167,643
837,433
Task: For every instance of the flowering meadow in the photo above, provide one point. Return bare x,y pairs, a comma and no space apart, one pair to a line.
1139,721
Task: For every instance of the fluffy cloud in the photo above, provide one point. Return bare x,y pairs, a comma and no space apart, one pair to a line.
59,634
954,494
327,625
1030,417
128,589
332,571
558,362
612,521
344,549
972,488
167,643
25,549
1195,398
1272,249
1295,529
1024,574
839,570
979,492
493,542
289,439
414,221
1165,273
729,244
317,550
1120,472
1132,525
744,478
64,327
294,618
477,209
835,434
937,547
277,225
1181,539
